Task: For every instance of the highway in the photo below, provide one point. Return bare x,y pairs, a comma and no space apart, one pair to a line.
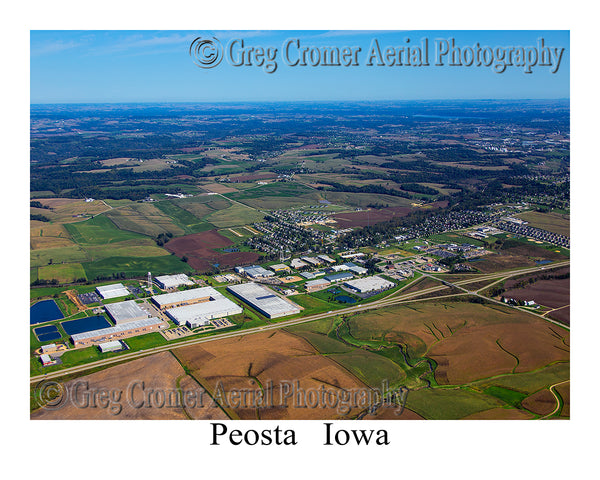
390,300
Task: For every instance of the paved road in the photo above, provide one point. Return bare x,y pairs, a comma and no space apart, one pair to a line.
384,302
558,402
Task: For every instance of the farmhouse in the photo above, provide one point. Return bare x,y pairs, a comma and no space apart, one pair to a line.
112,291
172,281
264,300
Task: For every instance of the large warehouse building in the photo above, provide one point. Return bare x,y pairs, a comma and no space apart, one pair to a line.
369,284
202,313
112,291
129,329
172,281
124,312
185,297
264,300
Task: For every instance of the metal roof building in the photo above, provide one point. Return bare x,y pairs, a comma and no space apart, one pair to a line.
369,284
112,291
110,346
123,312
256,271
129,329
201,313
173,281
264,300
185,297
314,285
336,277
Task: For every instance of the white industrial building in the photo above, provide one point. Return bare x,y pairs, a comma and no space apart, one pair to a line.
110,346
297,263
264,300
185,297
112,291
369,284
123,312
202,313
314,285
173,281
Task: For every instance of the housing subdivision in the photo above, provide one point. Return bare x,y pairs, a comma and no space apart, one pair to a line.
196,307
112,291
264,300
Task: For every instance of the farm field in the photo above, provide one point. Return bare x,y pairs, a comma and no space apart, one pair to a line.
160,372
372,216
68,210
551,221
449,354
200,249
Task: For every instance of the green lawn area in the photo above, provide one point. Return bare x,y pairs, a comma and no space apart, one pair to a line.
64,273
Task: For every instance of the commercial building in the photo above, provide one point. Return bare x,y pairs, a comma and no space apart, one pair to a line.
110,346
312,260
46,359
124,312
172,281
297,263
201,313
338,277
358,270
255,271
369,284
326,258
318,284
185,297
129,329
112,291
280,267
264,300
50,348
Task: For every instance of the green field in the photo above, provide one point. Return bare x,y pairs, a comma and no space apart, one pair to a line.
98,231
135,267
449,404
182,218
235,215
551,221
64,273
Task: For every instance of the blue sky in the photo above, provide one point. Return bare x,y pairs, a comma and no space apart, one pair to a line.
155,66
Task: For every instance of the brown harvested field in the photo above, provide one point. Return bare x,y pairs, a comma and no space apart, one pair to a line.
159,372
45,235
499,262
562,315
422,284
370,217
218,188
199,248
500,414
252,361
468,341
252,177
553,292
66,210
541,403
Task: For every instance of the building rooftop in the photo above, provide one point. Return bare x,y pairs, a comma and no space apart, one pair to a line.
339,276
170,281
205,310
122,311
369,284
146,322
186,295
264,299
112,291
